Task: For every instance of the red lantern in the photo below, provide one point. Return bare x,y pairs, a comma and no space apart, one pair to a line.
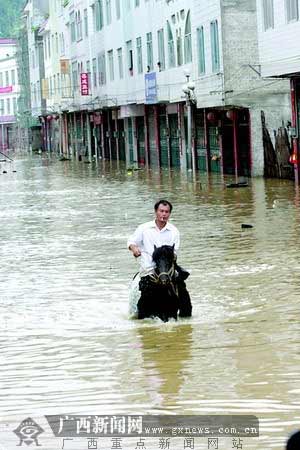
211,116
230,114
293,158
49,117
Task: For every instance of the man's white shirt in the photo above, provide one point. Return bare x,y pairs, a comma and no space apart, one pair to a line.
147,235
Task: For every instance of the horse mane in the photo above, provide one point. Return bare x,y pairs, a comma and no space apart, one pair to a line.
165,251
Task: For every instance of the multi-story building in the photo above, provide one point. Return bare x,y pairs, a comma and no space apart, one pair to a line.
170,82
9,92
278,32
35,14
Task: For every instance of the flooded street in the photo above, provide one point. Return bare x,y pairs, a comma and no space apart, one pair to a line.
67,345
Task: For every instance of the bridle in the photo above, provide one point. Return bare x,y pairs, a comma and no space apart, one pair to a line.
156,278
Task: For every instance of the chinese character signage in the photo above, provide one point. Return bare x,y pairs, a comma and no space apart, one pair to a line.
84,83
150,88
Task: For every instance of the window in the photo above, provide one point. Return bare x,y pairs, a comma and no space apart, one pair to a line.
62,44
2,107
54,84
1,79
86,23
56,42
139,54
8,106
102,68
161,49
49,47
179,47
88,71
129,57
201,51
215,55
98,11
58,90
120,63
110,55
51,87
149,52
94,62
118,9
171,47
79,26
32,59
292,11
136,3
72,27
188,40
74,76
14,105
108,12
268,14
6,78
45,47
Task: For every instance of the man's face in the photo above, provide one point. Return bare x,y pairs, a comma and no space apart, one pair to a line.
163,213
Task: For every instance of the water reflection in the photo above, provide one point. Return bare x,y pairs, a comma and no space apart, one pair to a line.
166,352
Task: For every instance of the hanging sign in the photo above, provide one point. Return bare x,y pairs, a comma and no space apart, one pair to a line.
84,83
150,88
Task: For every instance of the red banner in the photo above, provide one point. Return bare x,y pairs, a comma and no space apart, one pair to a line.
6,90
84,83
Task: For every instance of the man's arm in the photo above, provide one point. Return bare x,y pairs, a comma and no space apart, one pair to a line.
135,241
135,250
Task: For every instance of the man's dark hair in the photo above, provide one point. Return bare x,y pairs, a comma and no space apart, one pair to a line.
293,442
163,202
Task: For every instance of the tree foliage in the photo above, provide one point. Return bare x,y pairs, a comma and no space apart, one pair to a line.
10,11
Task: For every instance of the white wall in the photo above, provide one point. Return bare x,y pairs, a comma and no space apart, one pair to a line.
135,22
278,47
8,63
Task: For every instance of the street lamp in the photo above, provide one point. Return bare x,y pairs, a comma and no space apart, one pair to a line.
189,91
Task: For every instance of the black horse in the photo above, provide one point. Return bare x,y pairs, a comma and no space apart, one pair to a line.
164,293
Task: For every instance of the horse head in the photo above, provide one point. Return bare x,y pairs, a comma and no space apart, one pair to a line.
164,259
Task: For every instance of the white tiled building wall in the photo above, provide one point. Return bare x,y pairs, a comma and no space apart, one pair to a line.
279,44
8,79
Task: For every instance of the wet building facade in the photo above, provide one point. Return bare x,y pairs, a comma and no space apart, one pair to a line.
155,83
9,93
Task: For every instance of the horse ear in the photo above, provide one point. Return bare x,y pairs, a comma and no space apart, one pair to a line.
155,247
173,246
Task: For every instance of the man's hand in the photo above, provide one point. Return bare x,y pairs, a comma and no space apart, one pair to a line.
135,250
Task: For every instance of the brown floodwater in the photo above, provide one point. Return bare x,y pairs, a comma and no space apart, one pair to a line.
67,344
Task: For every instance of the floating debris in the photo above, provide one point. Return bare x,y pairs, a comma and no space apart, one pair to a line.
237,185
64,158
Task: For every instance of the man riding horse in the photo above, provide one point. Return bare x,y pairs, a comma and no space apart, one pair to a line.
154,234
